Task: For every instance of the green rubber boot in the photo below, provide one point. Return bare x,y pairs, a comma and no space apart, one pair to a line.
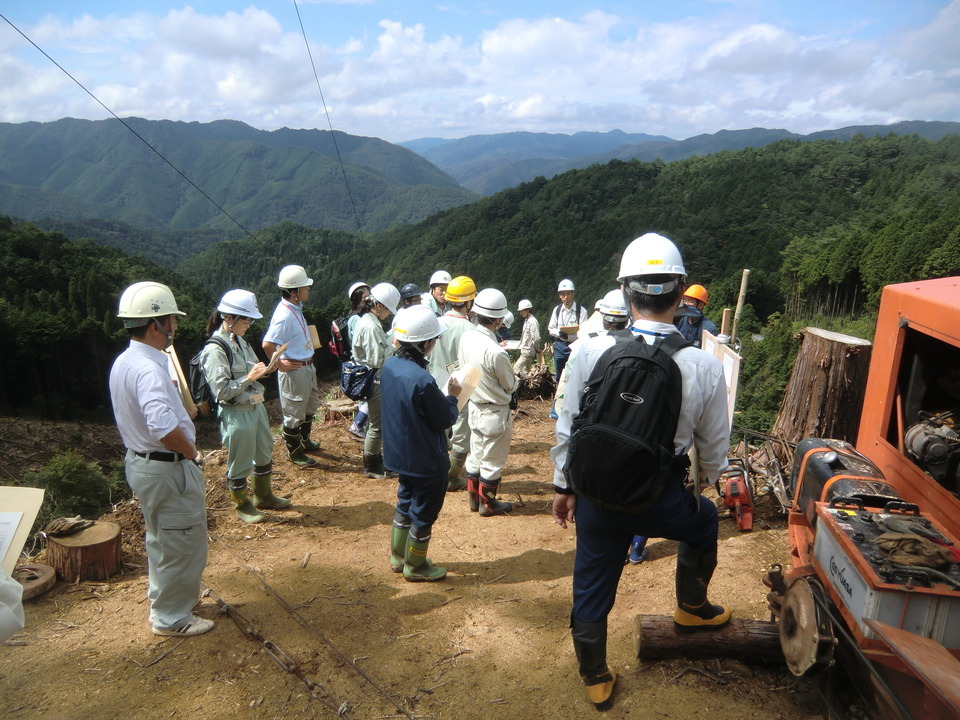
455,480
417,566
263,496
245,509
398,545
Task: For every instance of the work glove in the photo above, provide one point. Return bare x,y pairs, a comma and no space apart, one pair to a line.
62,526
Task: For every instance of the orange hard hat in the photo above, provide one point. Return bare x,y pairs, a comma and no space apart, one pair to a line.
697,292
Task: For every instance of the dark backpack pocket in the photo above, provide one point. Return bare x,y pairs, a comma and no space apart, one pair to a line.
617,470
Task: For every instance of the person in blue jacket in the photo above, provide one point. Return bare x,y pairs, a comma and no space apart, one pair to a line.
416,415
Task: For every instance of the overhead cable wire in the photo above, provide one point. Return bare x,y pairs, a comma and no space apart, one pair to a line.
128,127
326,112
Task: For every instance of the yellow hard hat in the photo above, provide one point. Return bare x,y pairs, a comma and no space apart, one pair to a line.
461,289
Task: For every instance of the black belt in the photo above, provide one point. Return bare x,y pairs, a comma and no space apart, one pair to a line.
303,362
161,456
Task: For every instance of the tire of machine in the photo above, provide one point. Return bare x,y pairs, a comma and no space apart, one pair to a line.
806,634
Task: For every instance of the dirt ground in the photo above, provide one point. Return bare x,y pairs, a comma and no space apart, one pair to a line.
491,641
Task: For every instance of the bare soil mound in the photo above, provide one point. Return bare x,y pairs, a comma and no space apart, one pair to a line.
325,626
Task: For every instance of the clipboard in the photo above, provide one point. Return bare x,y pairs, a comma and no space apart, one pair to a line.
275,358
468,378
21,507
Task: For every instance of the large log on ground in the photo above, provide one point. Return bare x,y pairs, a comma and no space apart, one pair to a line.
750,641
825,392
91,554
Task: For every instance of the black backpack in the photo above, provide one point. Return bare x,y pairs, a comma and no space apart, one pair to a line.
340,339
199,389
621,454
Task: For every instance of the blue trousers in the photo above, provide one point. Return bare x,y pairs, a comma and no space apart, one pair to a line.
421,498
561,352
603,538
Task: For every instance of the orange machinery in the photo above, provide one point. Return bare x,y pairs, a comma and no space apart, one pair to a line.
894,626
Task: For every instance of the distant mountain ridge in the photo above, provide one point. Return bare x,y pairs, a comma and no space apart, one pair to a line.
79,169
487,164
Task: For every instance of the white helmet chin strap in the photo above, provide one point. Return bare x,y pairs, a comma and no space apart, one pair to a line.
162,330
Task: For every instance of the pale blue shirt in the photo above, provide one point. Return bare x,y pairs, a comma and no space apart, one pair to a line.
703,411
289,326
146,404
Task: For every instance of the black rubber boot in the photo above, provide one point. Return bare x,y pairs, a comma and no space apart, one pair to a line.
473,491
295,450
590,645
694,612
373,468
489,505
305,430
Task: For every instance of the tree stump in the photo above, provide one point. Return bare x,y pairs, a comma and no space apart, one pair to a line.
824,395
750,641
91,554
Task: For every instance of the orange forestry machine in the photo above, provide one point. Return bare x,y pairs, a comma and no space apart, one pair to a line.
875,529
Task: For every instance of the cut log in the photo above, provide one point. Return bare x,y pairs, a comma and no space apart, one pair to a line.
750,641
825,392
91,554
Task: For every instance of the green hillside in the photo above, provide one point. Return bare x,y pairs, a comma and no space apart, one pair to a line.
79,169
822,226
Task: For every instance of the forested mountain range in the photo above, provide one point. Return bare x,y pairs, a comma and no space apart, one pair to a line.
82,169
489,163
822,225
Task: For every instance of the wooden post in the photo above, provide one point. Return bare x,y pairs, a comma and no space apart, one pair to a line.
91,554
741,301
825,392
750,641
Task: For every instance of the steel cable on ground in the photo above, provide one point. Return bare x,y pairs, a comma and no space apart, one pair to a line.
281,658
128,127
309,626
333,135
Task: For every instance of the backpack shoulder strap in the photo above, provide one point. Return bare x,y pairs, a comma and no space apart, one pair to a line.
673,342
226,348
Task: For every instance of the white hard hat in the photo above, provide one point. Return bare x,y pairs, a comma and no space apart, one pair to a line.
416,324
614,304
356,286
440,277
598,304
508,319
239,302
650,254
490,303
387,295
145,300
293,276
565,284
524,305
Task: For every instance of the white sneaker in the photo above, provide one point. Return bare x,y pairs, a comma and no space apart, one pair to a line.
193,626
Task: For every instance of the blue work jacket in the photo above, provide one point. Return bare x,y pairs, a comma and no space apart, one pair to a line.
415,414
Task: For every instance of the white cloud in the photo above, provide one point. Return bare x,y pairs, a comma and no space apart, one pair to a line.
597,71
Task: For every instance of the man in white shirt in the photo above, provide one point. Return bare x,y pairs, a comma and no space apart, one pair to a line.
161,461
652,278
491,422
297,378
529,338
568,314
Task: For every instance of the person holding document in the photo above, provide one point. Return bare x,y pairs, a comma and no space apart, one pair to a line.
232,371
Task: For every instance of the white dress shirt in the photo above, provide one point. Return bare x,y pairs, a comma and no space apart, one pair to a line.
146,404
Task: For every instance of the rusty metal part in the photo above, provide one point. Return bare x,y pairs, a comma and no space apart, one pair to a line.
806,635
281,658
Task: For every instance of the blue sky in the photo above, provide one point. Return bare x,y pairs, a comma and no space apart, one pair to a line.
404,69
